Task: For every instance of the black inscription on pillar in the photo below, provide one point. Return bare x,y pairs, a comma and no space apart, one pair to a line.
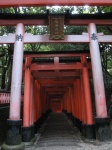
19,37
94,37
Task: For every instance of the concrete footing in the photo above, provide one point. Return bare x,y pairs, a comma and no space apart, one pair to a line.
14,136
78,124
103,129
88,131
28,134
13,147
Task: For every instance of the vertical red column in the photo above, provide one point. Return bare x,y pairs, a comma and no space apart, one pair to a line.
28,128
13,140
89,126
64,103
43,100
102,120
71,96
38,100
75,104
68,102
35,106
75,99
32,109
32,103
78,119
39,109
72,103
35,102
45,105
83,105
27,93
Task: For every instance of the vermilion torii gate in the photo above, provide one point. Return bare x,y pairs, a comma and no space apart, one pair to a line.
33,107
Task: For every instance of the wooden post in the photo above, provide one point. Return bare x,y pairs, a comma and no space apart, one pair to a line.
89,126
78,103
84,118
28,127
35,102
27,93
32,109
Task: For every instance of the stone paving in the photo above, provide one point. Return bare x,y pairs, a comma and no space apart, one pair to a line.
58,133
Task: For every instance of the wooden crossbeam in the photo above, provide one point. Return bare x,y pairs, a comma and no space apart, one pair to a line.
47,74
44,22
56,81
56,55
15,3
57,89
74,66
56,85
45,39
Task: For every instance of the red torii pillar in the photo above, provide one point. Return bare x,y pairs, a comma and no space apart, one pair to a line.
78,110
64,103
103,132
38,118
72,103
88,127
68,102
28,122
35,105
38,100
75,101
32,110
84,116
13,138
43,100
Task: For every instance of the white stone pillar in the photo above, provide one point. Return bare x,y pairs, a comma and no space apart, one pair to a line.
102,121
15,98
14,139
100,100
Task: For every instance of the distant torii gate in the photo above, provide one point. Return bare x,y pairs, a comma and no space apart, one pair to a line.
19,38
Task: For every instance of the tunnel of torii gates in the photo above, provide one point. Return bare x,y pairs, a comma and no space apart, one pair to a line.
56,86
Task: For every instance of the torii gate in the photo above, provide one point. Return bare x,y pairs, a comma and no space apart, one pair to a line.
92,37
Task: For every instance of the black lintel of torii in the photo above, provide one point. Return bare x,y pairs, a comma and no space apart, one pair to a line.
67,15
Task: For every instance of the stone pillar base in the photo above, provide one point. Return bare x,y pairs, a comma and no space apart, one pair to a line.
32,131
88,131
78,124
64,111
14,136
103,130
28,135
13,147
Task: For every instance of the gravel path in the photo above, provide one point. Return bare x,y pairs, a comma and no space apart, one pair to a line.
58,133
